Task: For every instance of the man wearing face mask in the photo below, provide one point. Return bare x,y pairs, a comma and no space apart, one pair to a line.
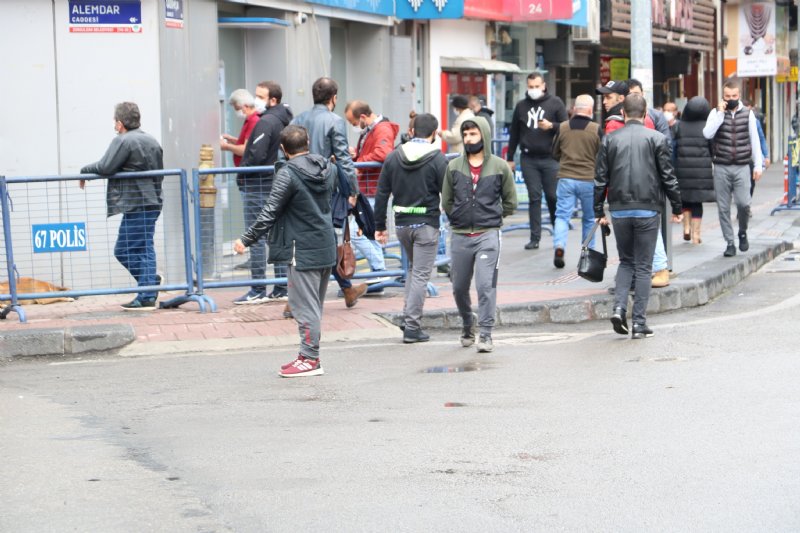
478,192
327,134
535,122
672,116
244,105
732,128
262,150
139,200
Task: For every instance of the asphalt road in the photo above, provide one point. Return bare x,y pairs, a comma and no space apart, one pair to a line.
563,428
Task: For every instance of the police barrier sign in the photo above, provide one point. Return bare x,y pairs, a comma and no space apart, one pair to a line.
105,16
68,237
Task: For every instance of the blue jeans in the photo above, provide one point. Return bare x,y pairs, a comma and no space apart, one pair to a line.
254,201
568,191
660,255
441,252
135,249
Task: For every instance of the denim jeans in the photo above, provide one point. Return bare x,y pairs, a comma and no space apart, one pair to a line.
660,254
568,192
371,250
441,252
539,174
254,200
636,241
135,249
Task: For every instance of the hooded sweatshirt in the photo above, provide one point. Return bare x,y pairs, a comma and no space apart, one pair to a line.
525,131
297,215
413,174
478,208
262,147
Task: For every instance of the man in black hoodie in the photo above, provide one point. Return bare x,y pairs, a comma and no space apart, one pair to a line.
297,218
413,174
262,150
535,122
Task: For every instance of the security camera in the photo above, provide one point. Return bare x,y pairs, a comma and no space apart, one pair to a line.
300,18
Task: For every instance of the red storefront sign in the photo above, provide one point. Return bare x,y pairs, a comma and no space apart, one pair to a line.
524,10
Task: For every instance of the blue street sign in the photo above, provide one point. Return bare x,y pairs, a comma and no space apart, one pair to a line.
580,14
429,9
68,237
376,7
105,16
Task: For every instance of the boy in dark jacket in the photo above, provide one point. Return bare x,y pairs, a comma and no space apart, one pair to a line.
297,217
413,174
478,192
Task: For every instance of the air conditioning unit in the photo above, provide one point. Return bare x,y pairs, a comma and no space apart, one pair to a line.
591,33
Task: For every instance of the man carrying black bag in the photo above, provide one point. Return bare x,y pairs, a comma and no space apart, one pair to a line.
635,170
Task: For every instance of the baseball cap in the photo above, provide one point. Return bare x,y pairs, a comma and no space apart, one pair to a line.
619,87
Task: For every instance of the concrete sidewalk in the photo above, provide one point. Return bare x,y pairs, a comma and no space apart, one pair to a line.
531,291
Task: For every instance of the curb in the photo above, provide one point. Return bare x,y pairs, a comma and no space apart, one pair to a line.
695,287
77,340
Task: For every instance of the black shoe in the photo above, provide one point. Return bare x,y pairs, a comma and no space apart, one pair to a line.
139,305
558,258
443,269
641,331
468,333
619,321
730,251
415,335
532,245
744,245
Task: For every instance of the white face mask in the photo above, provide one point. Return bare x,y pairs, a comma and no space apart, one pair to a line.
535,94
357,130
260,105
240,113
669,116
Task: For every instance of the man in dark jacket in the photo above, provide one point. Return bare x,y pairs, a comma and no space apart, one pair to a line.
327,136
477,106
297,217
138,199
635,171
478,192
413,174
535,122
262,150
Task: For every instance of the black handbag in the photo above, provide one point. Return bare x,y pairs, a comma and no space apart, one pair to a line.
592,263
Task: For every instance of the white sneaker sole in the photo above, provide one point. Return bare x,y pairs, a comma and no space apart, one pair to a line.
318,372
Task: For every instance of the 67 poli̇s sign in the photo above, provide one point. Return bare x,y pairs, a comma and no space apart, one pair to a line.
105,16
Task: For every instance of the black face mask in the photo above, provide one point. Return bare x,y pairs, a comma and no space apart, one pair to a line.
473,148
732,104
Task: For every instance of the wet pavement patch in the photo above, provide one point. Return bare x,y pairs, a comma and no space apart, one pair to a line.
173,478
93,479
452,369
454,404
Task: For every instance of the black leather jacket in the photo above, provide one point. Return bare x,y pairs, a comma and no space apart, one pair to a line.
635,170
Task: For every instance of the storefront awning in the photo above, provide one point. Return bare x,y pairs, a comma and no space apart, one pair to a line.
477,64
252,22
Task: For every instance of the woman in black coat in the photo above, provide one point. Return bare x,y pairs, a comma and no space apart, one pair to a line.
692,154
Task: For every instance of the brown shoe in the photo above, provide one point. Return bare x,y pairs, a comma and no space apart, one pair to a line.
352,294
287,312
660,279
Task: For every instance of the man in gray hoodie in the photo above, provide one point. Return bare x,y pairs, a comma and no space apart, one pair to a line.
297,217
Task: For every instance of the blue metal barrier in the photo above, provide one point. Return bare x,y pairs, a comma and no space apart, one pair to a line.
792,202
6,202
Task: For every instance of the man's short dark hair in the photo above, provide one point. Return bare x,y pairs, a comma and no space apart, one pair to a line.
128,114
470,125
273,88
358,108
425,125
635,106
633,82
323,90
732,83
535,75
294,139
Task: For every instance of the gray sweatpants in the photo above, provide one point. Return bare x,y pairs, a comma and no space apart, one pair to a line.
420,245
481,255
306,296
732,180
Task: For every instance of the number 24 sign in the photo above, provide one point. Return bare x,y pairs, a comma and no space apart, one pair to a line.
539,9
